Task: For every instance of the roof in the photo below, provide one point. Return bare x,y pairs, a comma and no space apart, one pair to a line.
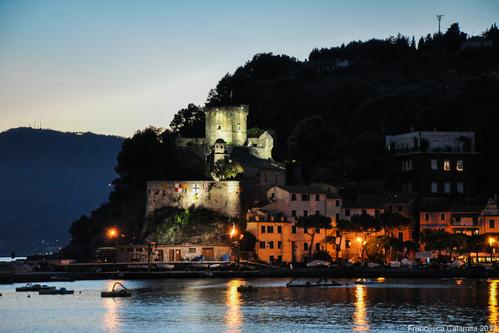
436,205
301,189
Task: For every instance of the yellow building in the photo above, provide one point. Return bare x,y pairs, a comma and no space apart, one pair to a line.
490,218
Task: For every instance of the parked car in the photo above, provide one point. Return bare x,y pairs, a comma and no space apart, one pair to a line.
318,263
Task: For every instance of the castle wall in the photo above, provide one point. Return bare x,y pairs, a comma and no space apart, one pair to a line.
227,123
220,196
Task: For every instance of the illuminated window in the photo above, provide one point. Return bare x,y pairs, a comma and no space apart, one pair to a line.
460,165
447,165
434,187
460,187
434,165
446,187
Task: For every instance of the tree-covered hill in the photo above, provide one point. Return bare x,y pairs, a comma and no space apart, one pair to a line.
332,111
47,180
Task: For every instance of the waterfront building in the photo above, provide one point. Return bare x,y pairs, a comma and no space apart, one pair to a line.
432,163
489,217
154,253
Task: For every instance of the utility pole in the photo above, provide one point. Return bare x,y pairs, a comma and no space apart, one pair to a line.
439,18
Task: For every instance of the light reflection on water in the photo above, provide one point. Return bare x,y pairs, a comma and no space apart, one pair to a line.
215,305
360,314
493,303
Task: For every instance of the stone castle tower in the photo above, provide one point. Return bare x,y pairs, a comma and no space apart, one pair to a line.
227,123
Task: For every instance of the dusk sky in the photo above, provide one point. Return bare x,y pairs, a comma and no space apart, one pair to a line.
114,67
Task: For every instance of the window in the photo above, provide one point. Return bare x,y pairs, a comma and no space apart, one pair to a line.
427,217
271,244
434,187
305,246
317,197
317,246
460,188
347,212
279,245
293,213
279,229
262,245
347,243
219,127
447,165
293,229
337,216
238,127
305,213
270,229
192,250
262,229
272,195
305,230
364,212
434,165
305,197
460,165
442,216
271,258
492,224
317,212
399,208
446,187
401,236
279,258
293,197
337,203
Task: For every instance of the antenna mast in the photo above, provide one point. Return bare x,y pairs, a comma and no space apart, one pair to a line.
439,18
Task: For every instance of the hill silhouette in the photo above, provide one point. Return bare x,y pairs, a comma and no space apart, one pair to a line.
47,180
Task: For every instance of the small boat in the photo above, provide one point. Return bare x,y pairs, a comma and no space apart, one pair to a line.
364,281
123,292
321,283
34,287
60,291
244,288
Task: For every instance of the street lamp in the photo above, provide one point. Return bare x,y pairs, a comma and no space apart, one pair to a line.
233,233
491,244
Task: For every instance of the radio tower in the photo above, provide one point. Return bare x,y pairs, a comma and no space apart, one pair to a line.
439,18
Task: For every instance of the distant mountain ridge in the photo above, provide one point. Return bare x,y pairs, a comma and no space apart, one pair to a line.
47,180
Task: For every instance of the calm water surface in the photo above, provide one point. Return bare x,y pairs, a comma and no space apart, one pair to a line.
215,305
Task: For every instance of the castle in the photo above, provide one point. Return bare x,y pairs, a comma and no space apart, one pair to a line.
226,128
226,138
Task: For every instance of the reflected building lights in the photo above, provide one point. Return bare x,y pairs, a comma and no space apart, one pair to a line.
233,317
493,303
360,314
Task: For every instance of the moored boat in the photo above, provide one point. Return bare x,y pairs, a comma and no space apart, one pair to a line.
321,283
364,281
34,287
123,292
60,291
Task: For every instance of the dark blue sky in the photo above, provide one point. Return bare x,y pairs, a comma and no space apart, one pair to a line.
117,66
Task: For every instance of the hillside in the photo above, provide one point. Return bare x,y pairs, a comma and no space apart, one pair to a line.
47,180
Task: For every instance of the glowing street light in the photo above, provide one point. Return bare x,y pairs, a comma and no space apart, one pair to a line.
491,243
112,232
233,231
